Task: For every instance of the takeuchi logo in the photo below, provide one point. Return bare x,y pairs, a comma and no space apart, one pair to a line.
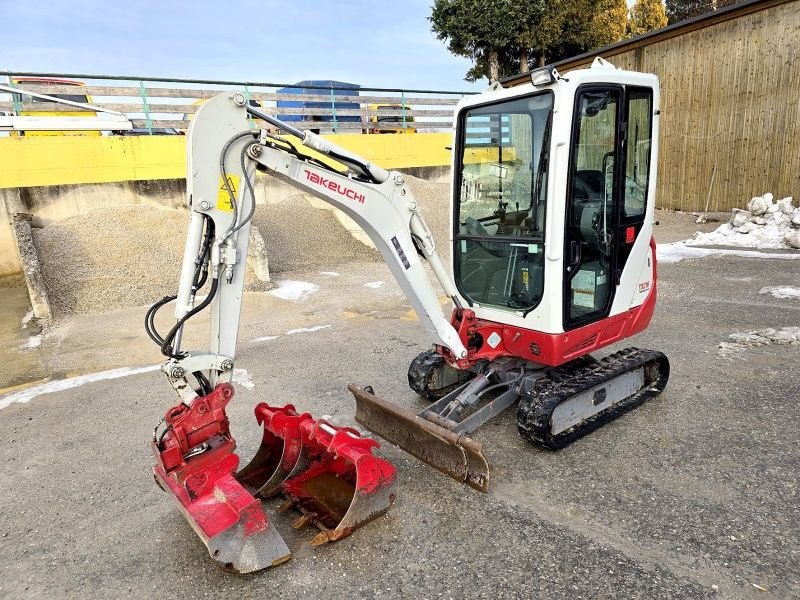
334,186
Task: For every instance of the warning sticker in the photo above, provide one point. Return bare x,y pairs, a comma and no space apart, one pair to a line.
223,197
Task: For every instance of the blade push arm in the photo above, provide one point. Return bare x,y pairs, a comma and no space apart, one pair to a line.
223,154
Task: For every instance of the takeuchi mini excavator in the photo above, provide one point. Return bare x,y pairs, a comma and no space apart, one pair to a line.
552,259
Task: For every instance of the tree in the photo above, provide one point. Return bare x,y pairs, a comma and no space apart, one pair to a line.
493,33
503,37
646,15
680,10
608,24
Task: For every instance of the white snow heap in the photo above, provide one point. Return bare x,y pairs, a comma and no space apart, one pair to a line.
786,336
765,224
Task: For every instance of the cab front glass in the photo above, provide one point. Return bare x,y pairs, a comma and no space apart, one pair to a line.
502,165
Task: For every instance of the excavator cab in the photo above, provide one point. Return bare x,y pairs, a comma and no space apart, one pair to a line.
500,226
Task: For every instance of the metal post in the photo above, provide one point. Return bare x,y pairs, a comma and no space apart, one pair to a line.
16,99
403,108
333,110
145,108
247,103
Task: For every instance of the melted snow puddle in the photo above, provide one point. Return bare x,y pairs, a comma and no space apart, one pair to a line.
678,251
781,291
786,336
293,290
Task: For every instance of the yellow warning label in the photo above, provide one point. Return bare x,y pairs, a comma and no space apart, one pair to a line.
223,196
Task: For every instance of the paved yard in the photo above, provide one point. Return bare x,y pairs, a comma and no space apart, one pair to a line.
693,495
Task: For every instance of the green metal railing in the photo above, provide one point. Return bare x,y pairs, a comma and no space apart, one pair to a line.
142,82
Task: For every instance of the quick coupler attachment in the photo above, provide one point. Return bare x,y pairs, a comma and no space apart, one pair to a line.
326,472
196,466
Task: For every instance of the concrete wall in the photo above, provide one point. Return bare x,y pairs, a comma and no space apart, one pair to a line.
61,160
53,178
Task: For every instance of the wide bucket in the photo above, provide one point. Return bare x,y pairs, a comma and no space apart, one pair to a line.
279,453
196,466
339,483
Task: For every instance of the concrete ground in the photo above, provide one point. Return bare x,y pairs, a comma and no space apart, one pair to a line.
693,495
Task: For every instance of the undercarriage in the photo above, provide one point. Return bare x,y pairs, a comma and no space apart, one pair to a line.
557,405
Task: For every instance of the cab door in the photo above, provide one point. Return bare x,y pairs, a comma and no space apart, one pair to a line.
592,205
607,193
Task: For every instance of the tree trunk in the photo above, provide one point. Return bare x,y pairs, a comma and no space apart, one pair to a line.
494,65
541,60
524,67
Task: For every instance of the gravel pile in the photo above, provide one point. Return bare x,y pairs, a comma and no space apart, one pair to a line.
110,258
300,237
434,201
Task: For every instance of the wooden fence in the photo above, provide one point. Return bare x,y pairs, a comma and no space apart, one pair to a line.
154,107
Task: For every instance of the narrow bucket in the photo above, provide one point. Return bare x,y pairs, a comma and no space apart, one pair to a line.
279,452
454,454
196,466
340,484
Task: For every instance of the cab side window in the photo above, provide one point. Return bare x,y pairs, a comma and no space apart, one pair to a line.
637,162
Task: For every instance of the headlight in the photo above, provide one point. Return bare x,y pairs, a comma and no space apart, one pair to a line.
544,76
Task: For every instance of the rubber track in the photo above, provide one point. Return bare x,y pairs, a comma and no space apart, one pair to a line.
537,406
420,374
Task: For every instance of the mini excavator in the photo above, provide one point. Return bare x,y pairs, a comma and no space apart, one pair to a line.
552,259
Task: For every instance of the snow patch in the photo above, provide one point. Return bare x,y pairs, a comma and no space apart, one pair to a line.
27,319
329,273
765,224
307,329
375,285
242,378
786,336
293,290
265,338
781,291
678,251
50,387
32,342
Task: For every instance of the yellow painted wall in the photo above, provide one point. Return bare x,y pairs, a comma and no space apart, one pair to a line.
60,160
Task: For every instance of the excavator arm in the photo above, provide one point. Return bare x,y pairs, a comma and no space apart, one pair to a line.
224,153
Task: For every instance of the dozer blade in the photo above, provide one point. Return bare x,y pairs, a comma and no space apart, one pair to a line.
279,453
196,466
338,484
454,454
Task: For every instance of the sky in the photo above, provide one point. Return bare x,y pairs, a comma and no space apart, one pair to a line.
376,43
